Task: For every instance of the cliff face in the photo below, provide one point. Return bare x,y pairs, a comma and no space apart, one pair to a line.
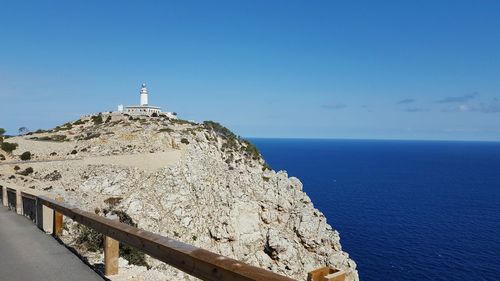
197,183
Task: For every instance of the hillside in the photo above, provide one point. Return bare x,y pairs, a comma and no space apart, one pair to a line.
197,183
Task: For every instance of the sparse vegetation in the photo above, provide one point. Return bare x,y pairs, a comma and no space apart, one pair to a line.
168,130
57,138
16,168
53,176
25,156
234,142
8,146
79,122
2,157
89,136
184,141
64,127
26,171
39,131
113,201
93,241
74,151
97,119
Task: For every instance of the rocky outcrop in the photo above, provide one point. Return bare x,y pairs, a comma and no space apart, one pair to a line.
219,194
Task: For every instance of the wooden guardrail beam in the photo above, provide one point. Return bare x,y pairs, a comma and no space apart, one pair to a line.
197,262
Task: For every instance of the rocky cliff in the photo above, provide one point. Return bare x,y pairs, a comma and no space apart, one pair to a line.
197,183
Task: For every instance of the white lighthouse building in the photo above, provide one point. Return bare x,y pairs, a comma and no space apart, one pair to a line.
143,108
144,95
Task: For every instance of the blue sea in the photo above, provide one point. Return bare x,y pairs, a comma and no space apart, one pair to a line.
405,210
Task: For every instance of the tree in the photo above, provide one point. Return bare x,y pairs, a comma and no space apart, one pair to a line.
2,131
23,131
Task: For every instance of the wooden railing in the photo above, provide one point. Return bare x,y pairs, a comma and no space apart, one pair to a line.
48,213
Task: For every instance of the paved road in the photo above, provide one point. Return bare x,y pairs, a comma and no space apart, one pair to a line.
26,254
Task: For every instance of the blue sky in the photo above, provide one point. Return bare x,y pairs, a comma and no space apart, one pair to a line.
311,69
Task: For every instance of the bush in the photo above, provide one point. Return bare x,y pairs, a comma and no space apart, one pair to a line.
26,171
154,114
74,151
17,168
58,138
97,119
79,122
8,146
89,238
2,131
2,157
184,141
26,156
93,241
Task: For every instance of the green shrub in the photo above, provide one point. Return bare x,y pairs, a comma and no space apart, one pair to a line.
97,119
93,241
169,130
57,138
26,156
2,157
220,130
74,151
113,201
184,141
26,171
88,238
8,146
2,131
154,114
79,122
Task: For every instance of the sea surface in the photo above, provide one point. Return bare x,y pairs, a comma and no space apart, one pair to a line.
405,210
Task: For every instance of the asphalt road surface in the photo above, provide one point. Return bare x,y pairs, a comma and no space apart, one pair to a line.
27,253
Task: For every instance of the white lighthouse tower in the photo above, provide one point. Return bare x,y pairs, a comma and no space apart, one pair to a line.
144,109
144,95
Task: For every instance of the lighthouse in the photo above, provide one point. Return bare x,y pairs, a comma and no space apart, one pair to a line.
144,95
144,109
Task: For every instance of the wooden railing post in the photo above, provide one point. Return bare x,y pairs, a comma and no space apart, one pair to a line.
111,254
58,221
4,196
19,202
